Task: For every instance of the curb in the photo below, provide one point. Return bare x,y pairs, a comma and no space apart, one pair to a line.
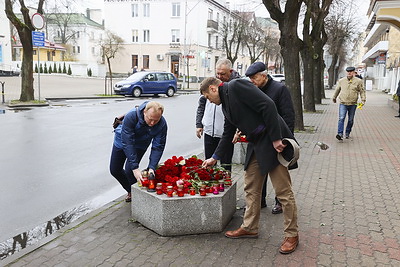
14,258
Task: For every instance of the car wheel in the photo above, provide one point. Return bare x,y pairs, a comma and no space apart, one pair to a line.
170,92
136,92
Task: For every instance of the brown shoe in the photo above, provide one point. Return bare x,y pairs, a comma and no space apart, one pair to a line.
289,245
240,233
128,198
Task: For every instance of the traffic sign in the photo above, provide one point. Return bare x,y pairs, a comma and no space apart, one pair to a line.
37,38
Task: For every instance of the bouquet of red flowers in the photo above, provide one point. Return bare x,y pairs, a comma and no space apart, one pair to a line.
187,172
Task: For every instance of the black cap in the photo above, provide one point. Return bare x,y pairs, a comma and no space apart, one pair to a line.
350,69
255,68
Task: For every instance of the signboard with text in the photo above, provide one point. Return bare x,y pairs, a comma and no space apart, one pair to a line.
37,38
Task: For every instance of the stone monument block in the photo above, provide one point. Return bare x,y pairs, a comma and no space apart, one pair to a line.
172,216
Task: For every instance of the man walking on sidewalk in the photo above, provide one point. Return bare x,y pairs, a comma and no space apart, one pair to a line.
251,111
348,90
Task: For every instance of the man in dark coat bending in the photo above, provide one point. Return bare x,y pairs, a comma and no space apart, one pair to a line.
251,111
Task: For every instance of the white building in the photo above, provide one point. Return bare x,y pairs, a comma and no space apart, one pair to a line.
5,41
82,39
169,35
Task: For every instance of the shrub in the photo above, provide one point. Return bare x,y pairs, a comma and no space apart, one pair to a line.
45,68
64,69
69,70
89,72
36,69
41,68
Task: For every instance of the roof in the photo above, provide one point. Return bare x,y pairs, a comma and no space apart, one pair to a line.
72,18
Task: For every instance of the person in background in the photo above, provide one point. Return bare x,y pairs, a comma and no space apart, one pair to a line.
280,94
140,127
358,75
348,90
398,98
210,119
251,111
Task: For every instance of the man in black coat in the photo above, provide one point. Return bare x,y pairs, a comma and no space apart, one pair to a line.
251,111
280,94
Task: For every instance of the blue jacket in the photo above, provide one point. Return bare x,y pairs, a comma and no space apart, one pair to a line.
136,134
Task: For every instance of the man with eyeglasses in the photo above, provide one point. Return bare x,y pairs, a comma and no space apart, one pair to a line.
348,90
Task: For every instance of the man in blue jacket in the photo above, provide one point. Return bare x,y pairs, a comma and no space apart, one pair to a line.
141,127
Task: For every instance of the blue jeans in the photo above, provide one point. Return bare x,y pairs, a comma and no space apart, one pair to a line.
123,175
343,109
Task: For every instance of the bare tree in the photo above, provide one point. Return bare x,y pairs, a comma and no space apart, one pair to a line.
253,37
290,48
109,46
340,28
24,28
232,33
314,39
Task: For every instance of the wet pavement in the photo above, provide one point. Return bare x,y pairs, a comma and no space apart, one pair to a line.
348,199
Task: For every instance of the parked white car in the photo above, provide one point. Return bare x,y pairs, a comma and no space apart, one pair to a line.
278,77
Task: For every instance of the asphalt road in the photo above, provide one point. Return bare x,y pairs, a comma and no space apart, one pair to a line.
55,158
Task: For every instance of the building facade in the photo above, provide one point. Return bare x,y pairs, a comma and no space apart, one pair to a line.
382,58
5,42
182,37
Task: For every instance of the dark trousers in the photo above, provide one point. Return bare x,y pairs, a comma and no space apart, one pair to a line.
210,144
123,175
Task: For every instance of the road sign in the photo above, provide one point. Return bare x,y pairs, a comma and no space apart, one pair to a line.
37,38
37,21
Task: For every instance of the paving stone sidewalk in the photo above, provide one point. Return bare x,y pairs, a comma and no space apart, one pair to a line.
348,201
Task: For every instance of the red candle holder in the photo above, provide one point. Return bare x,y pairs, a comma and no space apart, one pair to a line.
192,191
180,191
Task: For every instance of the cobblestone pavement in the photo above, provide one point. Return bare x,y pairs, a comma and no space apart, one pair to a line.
348,201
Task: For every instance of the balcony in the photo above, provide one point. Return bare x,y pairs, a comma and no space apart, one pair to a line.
380,47
174,45
212,25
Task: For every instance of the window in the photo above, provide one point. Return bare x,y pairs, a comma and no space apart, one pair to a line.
146,36
176,9
210,14
135,60
135,36
209,40
93,51
53,53
77,34
78,49
135,10
175,36
74,49
146,61
146,10
216,42
217,17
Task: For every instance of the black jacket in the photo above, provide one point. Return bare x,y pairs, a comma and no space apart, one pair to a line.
251,111
280,94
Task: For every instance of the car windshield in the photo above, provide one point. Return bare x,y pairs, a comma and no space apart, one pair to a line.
137,76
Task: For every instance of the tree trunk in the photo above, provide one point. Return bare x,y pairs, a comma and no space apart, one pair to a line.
290,54
27,91
110,73
308,96
332,76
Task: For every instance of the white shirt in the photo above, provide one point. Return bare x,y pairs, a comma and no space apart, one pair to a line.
213,120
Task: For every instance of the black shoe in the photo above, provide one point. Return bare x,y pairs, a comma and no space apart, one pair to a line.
263,204
339,137
347,136
277,208
398,116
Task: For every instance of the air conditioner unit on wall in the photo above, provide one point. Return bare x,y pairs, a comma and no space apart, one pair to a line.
160,57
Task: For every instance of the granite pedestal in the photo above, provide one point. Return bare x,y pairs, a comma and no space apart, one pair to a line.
239,153
171,216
